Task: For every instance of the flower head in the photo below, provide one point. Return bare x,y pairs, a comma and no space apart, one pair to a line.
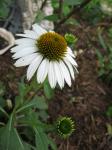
47,54
65,126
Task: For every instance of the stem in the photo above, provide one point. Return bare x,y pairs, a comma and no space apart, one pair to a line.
73,11
43,4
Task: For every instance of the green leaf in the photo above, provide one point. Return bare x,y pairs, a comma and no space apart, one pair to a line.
109,111
28,146
100,58
52,144
53,17
73,2
37,102
101,40
4,112
22,88
9,137
42,140
109,129
49,93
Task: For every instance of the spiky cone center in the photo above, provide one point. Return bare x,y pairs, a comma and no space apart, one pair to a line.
52,46
65,126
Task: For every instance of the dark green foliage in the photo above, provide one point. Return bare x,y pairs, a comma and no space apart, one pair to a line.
105,60
4,8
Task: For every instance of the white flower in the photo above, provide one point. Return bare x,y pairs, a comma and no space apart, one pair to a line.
47,54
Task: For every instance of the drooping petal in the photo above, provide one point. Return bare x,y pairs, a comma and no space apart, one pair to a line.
71,60
69,51
58,74
52,75
26,60
69,65
42,70
33,66
38,29
24,52
66,73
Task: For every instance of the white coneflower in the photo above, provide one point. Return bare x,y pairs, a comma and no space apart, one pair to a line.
48,54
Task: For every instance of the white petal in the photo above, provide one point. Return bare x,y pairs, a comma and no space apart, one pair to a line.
24,52
38,29
71,60
70,52
26,60
17,48
33,33
29,34
33,66
42,70
58,74
66,73
25,41
69,65
22,46
51,75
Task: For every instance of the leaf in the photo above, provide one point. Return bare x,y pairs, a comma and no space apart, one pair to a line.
49,93
22,88
109,129
52,144
37,102
53,17
73,2
4,112
109,111
100,58
9,137
28,146
101,40
42,140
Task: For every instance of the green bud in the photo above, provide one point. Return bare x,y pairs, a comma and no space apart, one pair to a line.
70,38
65,126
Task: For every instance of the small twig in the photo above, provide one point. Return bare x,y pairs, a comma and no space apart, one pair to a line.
74,10
43,4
